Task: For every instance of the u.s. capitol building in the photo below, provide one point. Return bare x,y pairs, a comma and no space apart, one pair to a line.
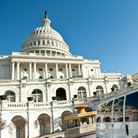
46,70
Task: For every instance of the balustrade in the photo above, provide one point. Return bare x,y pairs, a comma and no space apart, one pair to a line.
9,81
34,105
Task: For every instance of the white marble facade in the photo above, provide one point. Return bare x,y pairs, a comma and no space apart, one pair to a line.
45,68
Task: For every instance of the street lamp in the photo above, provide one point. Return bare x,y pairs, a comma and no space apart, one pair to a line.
52,114
28,100
2,97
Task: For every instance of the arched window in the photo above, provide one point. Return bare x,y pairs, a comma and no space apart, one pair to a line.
45,124
37,95
82,92
115,87
20,125
99,90
10,96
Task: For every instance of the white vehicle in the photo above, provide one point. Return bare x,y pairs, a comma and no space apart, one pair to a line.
117,117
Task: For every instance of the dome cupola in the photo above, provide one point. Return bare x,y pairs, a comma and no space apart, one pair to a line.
46,41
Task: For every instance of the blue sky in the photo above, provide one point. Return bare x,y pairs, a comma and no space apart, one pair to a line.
106,30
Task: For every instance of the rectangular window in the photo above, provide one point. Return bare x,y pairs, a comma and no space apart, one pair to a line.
24,69
50,69
73,69
60,69
40,69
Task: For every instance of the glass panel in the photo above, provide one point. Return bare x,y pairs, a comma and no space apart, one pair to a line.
50,69
131,107
104,112
10,96
39,98
84,94
40,69
81,88
79,95
37,95
99,87
108,112
100,113
34,98
99,90
60,69
12,99
118,110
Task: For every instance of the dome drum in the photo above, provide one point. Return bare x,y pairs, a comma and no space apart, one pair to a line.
47,52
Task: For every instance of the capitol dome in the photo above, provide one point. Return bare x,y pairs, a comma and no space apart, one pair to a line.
46,41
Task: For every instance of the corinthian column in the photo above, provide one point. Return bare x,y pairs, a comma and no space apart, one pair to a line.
46,73
56,70
30,70
70,71
34,70
79,70
67,75
18,72
12,75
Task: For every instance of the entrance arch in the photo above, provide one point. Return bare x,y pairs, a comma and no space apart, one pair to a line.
19,122
60,94
45,125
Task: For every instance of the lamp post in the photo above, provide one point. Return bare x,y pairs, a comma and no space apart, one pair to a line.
48,84
52,115
28,100
2,97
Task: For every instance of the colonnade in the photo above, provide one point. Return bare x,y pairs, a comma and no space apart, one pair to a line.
17,70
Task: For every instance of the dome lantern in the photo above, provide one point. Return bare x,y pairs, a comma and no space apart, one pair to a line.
46,21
